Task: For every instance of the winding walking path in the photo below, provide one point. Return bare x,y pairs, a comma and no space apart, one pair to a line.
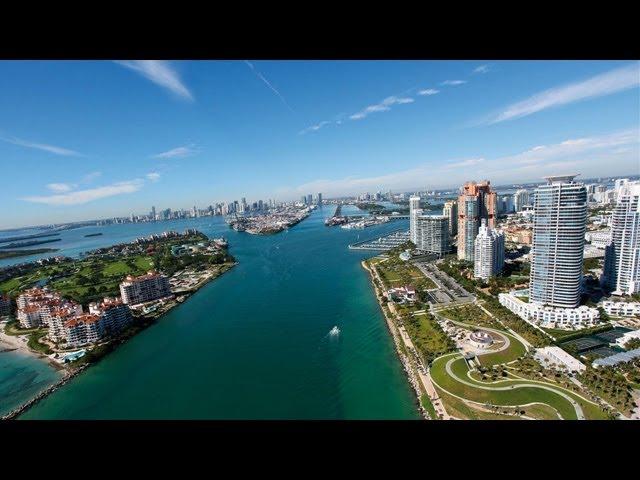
576,405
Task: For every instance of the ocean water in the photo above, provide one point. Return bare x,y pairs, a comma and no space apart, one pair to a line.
22,376
255,343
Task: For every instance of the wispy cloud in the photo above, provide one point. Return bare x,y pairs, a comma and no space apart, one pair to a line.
453,82
481,69
268,84
60,187
604,84
67,186
428,91
161,73
178,152
383,106
153,176
80,197
41,146
316,127
471,162
618,150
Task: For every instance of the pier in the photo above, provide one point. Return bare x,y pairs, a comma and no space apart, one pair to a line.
383,243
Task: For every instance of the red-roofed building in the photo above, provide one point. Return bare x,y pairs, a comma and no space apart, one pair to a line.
145,288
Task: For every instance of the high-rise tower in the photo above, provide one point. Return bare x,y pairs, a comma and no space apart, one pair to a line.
557,252
414,211
622,257
476,201
488,252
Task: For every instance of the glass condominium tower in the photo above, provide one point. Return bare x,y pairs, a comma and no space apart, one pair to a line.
557,252
414,211
622,256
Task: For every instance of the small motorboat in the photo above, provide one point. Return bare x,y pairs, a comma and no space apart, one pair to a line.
334,332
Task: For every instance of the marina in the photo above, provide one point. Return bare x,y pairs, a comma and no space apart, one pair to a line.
383,243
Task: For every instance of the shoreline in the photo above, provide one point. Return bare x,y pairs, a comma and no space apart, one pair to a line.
72,371
15,344
402,356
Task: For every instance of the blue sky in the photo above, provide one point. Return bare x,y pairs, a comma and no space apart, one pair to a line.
82,140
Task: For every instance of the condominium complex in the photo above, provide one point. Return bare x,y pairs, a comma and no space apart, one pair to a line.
599,239
450,210
108,317
559,224
115,314
432,234
37,306
546,316
5,305
476,201
520,199
414,211
622,255
145,288
488,252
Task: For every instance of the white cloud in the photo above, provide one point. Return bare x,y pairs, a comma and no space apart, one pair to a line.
428,91
60,187
153,176
471,162
80,197
481,69
41,146
453,82
90,177
268,84
178,152
315,128
604,84
383,106
161,73
610,154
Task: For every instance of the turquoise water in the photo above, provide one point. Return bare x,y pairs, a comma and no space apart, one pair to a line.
21,378
254,343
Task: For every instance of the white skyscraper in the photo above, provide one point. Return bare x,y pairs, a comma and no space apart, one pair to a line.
414,207
622,258
488,258
432,234
520,199
450,210
559,224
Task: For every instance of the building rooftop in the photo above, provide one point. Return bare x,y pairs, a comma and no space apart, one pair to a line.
561,178
617,358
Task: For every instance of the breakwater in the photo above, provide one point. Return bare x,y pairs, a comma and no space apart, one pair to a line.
43,394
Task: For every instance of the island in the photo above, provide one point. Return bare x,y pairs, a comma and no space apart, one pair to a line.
28,237
270,223
24,253
29,243
72,312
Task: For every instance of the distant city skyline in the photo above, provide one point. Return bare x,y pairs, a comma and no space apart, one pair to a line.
105,139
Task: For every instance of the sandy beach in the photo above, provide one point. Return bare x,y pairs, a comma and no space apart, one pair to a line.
19,344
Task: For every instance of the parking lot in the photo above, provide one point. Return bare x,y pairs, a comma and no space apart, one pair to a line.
448,291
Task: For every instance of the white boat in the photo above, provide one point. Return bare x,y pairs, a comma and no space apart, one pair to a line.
334,332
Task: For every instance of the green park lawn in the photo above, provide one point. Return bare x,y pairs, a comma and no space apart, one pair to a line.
516,350
472,315
428,406
519,396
